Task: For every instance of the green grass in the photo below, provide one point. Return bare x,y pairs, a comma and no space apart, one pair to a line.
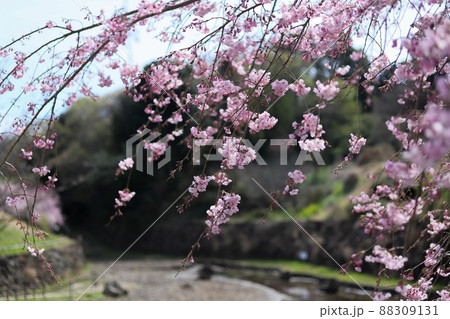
89,296
61,291
12,240
309,211
322,272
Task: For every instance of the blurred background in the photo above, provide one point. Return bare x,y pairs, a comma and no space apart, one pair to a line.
259,245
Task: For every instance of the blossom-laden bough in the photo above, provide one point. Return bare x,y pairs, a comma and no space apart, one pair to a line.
241,49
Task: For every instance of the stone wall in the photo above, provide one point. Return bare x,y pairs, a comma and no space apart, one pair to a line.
270,240
26,270
274,240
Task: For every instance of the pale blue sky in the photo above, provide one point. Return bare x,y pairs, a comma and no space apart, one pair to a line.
18,18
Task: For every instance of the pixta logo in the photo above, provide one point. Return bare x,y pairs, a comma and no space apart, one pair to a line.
282,144
153,145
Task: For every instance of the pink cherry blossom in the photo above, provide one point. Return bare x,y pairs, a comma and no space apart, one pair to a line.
382,256
199,185
297,176
299,87
263,121
27,154
444,295
126,164
202,138
221,178
326,91
220,213
433,255
401,170
356,144
381,296
377,66
355,56
312,145
12,201
34,252
416,292
259,79
126,196
280,87
235,153
157,150
41,171
39,143
343,70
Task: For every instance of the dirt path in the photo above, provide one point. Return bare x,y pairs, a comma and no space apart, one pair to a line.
154,279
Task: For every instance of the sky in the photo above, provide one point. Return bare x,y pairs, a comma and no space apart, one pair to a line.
17,18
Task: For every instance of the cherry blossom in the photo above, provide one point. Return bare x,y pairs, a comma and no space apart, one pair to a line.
312,145
219,213
377,66
444,295
297,176
299,87
12,201
382,256
355,56
433,254
199,185
27,154
221,178
258,79
343,70
124,197
263,122
326,91
416,292
236,154
381,296
41,171
356,144
279,87
34,252
203,138
126,164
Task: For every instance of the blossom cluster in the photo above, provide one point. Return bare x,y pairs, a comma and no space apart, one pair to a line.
309,132
124,197
219,213
383,256
295,177
126,164
356,144
199,185
263,121
35,252
235,153
327,91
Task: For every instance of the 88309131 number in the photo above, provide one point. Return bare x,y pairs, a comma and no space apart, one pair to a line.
406,310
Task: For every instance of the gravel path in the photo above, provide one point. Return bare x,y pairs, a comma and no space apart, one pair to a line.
154,279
